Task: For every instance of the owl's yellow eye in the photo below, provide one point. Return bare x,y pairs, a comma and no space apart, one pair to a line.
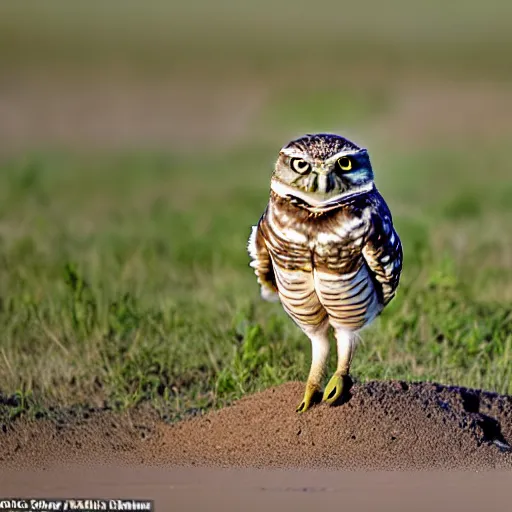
345,163
300,165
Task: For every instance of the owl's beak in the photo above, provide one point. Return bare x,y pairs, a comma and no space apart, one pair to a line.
322,180
322,169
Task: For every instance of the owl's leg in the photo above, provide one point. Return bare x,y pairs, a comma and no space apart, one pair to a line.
345,341
320,352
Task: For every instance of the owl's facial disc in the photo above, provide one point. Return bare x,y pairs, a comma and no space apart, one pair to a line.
343,172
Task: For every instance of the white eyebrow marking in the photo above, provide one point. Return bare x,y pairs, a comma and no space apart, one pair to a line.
297,154
293,153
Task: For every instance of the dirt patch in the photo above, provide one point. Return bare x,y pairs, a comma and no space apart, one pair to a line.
443,114
383,425
194,113
115,113
250,489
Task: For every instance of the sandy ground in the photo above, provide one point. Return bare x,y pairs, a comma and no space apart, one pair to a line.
381,425
451,445
200,489
116,113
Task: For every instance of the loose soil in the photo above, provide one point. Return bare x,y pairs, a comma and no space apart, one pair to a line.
381,425
260,454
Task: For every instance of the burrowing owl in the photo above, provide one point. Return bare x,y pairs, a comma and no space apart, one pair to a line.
325,247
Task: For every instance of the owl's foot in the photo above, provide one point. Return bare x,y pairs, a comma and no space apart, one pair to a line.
311,397
335,388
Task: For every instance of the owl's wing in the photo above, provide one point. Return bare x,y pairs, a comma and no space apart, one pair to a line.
383,252
262,264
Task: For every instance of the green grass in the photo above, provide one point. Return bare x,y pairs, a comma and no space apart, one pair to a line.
126,279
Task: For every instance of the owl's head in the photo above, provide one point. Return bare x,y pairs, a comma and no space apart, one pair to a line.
321,167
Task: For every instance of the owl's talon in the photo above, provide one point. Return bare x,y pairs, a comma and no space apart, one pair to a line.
310,398
334,388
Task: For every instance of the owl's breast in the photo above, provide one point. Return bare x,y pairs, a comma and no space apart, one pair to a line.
298,241
288,241
350,299
337,247
319,267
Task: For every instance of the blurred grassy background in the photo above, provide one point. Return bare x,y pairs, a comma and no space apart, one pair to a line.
136,146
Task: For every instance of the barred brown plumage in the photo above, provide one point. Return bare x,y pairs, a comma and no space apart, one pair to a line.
331,256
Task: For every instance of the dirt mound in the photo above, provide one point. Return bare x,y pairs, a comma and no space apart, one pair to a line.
383,425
